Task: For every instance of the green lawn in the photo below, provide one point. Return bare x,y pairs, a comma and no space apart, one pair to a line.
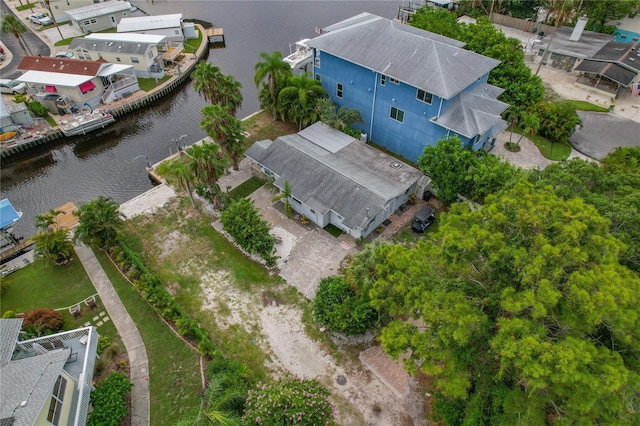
246,188
555,151
587,106
64,42
148,84
191,46
174,374
44,286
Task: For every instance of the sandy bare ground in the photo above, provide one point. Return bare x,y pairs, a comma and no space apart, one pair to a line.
362,400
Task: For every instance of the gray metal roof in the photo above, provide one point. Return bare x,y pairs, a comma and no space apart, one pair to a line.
355,181
474,112
585,47
612,71
416,57
98,9
125,47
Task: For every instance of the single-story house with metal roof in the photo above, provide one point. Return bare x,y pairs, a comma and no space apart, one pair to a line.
569,46
615,66
167,25
412,87
46,380
336,179
58,8
82,81
99,16
138,50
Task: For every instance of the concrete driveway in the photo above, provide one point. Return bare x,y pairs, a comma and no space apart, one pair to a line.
601,133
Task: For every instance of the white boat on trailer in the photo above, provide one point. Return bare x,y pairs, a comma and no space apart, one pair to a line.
81,124
299,58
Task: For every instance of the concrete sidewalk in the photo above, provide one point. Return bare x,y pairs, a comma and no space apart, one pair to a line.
138,362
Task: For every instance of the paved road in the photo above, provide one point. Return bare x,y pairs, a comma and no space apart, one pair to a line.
35,45
603,132
138,362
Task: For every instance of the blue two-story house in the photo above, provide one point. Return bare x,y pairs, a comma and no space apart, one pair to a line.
411,86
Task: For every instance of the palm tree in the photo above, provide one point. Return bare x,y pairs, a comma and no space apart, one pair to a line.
208,81
531,125
100,222
284,195
209,165
225,129
11,24
230,94
52,243
275,71
184,172
341,119
512,115
296,101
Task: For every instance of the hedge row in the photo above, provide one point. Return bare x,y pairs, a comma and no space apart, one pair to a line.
151,288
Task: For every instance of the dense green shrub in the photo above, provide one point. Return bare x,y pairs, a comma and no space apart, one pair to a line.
109,401
38,109
339,307
242,221
290,400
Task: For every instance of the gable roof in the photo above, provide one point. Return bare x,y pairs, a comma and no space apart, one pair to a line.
416,57
473,112
586,46
62,65
350,178
133,37
98,9
141,23
128,47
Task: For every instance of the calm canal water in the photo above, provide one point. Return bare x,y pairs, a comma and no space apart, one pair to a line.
103,163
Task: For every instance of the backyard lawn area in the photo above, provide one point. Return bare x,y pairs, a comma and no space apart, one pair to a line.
44,286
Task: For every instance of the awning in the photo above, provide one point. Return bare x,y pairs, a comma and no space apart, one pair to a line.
50,89
86,86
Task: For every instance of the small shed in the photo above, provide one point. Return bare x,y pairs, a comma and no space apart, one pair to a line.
99,16
20,114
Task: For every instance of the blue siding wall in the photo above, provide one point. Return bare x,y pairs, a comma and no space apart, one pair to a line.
626,36
361,89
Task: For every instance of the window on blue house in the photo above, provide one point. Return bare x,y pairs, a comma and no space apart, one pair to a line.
397,114
339,90
423,96
383,80
623,36
393,80
319,78
317,60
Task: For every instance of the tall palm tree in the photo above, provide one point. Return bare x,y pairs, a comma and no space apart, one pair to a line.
100,222
225,129
272,72
297,100
230,94
209,165
208,81
341,119
11,24
284,195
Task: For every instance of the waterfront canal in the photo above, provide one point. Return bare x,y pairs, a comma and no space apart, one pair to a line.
103,163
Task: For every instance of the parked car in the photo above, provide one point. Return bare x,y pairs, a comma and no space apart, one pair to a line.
422,219
12,87
65,55
40,19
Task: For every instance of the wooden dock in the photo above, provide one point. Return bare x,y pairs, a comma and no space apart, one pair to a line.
66,219
215,35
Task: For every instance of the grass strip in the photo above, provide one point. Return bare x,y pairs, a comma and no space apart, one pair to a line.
246,188
174,371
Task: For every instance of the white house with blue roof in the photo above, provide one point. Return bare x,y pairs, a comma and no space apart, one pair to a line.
411,86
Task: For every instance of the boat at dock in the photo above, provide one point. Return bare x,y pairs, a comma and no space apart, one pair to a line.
300,57
83,123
